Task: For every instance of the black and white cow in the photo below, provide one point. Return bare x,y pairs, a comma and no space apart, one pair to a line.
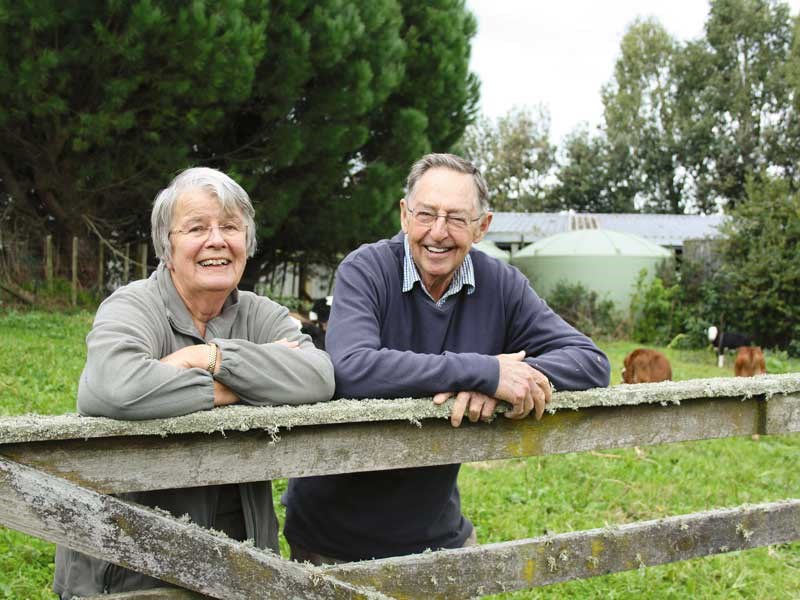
726,340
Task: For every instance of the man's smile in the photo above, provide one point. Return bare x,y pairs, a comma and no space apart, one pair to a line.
437,249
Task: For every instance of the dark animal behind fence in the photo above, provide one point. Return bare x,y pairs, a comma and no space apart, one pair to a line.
726,340
316,324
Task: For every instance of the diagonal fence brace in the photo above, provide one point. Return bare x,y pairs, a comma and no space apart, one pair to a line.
524,564
155,543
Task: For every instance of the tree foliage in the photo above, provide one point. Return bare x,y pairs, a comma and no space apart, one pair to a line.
101,101
701,117
757,289
317,107
641,113
593,175
742,92
516,157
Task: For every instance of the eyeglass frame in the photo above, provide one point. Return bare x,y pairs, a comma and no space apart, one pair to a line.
209,228
459,223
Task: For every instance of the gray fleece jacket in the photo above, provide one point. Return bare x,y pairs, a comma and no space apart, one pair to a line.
123,379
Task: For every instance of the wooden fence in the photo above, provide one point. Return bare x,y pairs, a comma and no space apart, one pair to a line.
113,266
56,474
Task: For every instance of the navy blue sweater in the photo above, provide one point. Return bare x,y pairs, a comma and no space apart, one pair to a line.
385,343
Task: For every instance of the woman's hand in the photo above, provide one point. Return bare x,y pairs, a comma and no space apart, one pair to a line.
197,357
192,357
223,395
287,343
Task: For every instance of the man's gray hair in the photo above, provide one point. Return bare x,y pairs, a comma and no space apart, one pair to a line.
231,196
454,163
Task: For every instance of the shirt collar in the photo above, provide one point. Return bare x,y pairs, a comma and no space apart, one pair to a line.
464,275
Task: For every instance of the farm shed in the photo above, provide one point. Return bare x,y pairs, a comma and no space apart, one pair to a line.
515,230
492,250
607,262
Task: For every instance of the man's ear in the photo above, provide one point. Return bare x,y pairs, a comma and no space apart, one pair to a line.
483,227
403,215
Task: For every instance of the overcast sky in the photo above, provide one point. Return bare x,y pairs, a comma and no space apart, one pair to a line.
559,53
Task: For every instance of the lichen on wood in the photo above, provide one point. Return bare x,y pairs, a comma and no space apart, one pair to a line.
522,564
147,540
29,428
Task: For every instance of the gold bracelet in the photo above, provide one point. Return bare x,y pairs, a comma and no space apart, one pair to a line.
212,357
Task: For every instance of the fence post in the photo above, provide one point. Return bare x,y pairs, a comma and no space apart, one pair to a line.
74,271
48,260
126,264
100,267
143,258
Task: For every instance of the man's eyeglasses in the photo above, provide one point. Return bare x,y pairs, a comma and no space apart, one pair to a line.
200,232
452,220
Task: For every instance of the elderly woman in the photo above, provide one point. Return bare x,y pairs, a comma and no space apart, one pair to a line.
185,340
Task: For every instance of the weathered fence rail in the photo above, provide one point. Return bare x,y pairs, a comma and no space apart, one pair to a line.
56,472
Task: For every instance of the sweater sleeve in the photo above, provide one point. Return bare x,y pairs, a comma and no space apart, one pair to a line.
570,360
365,369
123,378
263,373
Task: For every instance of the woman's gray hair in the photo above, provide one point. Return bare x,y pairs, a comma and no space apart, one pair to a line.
231,196
454,163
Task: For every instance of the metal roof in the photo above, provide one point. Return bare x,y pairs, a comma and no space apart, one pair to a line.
516,227
664,230
594,242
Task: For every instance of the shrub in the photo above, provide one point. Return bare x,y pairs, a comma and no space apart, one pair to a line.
794,345
585,311
656,311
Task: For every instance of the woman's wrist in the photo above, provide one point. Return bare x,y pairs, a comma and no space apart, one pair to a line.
212,356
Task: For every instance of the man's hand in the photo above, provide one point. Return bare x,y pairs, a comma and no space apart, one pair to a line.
522,386
475,404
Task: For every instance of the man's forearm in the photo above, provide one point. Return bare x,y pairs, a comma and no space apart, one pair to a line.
369,373
574,368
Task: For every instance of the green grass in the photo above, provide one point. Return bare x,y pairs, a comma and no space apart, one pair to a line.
556,494
42,360
44,355
39,369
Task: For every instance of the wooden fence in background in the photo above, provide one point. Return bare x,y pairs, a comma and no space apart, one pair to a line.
115,266
56,474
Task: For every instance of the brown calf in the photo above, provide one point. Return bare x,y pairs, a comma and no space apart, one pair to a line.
749,362
646,366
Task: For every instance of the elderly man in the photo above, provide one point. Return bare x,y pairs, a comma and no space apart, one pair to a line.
423,314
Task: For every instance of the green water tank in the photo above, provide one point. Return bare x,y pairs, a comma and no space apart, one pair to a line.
490,248
602,260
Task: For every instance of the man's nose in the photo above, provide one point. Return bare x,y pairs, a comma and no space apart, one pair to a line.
439,227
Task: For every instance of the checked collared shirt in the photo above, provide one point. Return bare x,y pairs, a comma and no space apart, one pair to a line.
464,275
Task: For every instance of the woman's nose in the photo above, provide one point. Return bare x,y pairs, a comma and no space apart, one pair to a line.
215,236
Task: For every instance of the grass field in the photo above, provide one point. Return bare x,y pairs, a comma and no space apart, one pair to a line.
44,353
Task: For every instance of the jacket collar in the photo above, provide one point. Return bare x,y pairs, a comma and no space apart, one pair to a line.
179,316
